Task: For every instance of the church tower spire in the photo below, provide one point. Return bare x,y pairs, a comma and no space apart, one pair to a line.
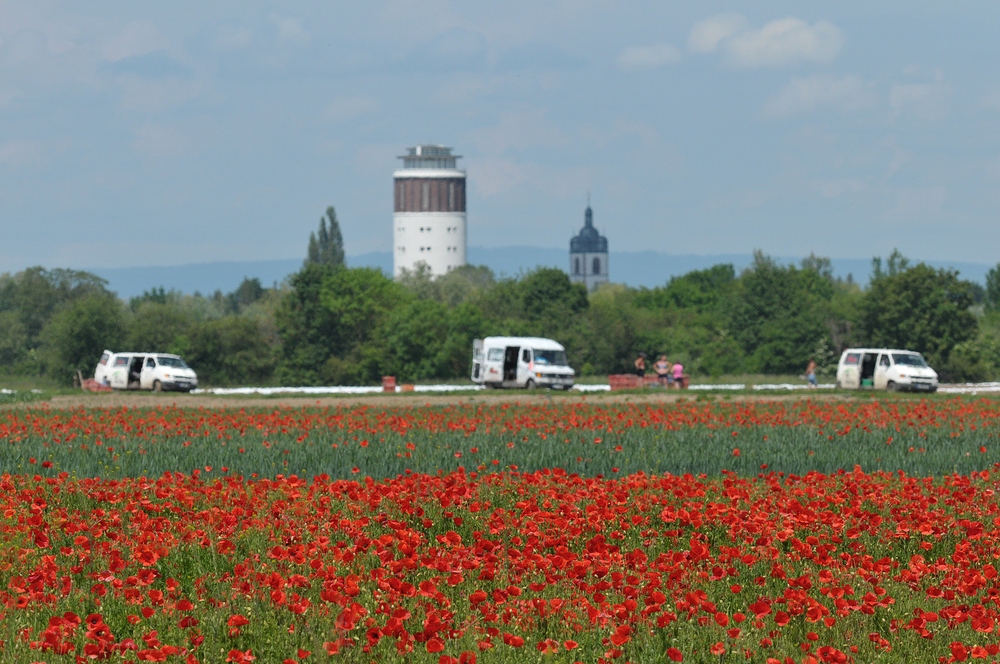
588,253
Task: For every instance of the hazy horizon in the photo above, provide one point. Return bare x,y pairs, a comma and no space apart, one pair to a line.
636,269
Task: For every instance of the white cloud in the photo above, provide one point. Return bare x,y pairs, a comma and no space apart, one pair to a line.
926,101
234,39
137,38
706,35
139,94
346,108
290,30
496,176
19,154
845,94
520,131
779,43
648,57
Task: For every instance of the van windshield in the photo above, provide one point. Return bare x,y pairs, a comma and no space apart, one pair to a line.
910,359
553,357
174,362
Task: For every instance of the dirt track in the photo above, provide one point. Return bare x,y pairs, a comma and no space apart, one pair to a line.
149,400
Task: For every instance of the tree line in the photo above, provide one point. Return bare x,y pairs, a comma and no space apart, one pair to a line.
330,324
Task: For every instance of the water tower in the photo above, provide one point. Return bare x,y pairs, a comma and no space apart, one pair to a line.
428,222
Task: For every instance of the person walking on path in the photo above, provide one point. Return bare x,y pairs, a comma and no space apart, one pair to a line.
662,369
640,367
811,373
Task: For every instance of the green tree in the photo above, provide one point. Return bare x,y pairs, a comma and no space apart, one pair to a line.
420,281
776,315
309,332
13,339
248,292
423,339
464,284
358,299
75,336
702,290
158,327
35,294
918,308
230,350
326,247
992,296
548,293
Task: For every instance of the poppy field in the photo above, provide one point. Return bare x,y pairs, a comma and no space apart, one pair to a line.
794,531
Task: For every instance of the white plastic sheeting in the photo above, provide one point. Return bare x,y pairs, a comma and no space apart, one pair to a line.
333,389
969,388
343,389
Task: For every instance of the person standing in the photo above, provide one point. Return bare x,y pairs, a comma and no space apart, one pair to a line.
678,375
662,369
640,368
811,373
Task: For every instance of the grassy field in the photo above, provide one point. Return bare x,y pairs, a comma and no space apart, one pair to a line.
701,436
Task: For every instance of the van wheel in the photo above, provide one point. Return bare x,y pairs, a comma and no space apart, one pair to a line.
530,385
892,387
157,386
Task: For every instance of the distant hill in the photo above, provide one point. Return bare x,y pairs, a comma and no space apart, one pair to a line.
635,268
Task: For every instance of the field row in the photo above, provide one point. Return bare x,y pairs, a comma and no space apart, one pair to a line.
918,437
491,567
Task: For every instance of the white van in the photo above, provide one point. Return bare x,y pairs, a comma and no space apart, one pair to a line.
145,371
885,369
520,362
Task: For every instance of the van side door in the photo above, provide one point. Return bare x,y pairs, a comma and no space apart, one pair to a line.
147,375
524,367
882,372
510,358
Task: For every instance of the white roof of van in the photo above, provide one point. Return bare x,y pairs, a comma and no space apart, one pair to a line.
880,350
141,352
531,342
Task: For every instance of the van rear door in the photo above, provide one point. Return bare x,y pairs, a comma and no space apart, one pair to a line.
477,360
118,372
849,373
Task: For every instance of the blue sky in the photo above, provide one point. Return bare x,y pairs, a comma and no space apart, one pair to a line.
139,133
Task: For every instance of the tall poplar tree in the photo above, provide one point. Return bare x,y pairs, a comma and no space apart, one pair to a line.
326,247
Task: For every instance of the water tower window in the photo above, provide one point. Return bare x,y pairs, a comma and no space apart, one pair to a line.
576,266
597,266
451,196
426,192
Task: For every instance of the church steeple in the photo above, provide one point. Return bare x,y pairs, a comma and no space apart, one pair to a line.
588,252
